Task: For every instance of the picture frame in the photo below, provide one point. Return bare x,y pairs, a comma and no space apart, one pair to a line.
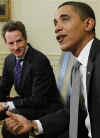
5,7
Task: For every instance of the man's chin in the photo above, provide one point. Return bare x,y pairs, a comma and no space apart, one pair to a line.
19,55
63,49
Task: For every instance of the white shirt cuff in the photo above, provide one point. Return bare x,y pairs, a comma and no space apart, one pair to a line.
40,128
11,105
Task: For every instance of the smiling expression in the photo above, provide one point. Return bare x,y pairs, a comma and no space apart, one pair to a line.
16,42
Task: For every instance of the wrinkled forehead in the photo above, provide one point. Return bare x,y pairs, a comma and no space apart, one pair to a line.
64,10
13,35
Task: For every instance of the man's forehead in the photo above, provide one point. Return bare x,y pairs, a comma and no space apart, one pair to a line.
63,11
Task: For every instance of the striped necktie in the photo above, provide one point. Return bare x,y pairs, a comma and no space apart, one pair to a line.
17,71
74,100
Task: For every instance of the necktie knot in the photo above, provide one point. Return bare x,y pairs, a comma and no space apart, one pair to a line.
18,61
76,65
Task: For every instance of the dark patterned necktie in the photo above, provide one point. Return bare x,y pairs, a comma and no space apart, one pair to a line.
17,71
74,100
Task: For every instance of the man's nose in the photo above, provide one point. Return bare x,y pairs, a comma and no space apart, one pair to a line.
58,28
15,45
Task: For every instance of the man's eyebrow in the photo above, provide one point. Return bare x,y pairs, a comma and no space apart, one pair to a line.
61,16
64,15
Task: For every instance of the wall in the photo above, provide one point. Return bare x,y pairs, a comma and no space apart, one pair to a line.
37,16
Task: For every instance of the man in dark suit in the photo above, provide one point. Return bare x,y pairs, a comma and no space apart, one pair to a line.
36,86
75,32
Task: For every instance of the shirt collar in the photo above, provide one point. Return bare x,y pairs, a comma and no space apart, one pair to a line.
83,57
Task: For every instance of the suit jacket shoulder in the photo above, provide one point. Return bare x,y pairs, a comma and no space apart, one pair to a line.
38,58
93,87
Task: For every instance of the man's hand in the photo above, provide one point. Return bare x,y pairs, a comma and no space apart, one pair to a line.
17,124
1,106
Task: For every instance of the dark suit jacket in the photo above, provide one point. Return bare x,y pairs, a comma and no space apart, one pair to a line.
58,122
38,93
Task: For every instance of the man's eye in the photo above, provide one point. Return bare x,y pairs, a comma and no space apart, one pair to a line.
65,19
11,43
55,22
19,40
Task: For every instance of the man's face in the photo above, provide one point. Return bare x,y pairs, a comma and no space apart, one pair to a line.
69,29
16,42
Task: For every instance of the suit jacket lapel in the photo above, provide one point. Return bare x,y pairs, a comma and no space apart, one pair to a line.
12,64
88,75
93,53
26,66
25,70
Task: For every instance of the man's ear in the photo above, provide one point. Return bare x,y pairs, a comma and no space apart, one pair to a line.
89,24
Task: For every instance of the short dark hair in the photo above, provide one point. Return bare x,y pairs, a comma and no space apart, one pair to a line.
13,26
83,9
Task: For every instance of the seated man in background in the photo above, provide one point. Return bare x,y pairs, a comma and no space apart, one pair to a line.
27,126
32,76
